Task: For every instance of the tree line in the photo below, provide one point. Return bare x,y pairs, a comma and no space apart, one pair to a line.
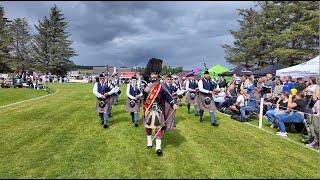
49,50
166,70
284,32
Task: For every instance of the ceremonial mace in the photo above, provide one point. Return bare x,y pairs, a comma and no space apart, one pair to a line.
164,123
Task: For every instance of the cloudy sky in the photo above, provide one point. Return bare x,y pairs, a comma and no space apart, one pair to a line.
129,33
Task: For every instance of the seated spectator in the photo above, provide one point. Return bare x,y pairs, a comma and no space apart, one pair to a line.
300,85
251,106
281,106
288,85
315,125
231,96
310,90
222,82
240,102
277,89
220,97
296,116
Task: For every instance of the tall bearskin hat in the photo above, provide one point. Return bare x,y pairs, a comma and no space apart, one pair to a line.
154,65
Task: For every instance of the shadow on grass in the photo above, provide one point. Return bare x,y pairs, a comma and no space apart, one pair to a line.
173,139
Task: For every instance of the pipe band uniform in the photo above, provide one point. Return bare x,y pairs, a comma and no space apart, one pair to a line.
205,101
158,105
102,91
191,97
134,101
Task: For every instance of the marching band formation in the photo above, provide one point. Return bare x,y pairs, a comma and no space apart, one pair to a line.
159,98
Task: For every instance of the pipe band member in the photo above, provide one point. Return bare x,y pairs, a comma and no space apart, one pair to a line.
134,100
205,100
192,94
102,92
158,107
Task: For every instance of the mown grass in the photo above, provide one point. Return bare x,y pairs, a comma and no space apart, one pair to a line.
60,137
12,95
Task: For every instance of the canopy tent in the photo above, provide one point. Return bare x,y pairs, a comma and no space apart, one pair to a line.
215,70
269,69
309,68
239,70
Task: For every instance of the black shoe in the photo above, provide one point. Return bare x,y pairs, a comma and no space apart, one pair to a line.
149,147
105,126
215,124
135,125
159,152
101,123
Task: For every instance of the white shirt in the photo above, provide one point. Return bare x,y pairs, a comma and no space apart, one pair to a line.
96,93
240,100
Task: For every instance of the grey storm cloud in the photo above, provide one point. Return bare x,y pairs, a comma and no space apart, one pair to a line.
129,33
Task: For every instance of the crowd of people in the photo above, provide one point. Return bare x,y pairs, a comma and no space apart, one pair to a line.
29,80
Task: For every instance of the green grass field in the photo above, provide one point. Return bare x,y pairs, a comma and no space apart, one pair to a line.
12,95
60,136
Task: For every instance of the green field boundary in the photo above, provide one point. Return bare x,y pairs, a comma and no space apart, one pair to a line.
50,91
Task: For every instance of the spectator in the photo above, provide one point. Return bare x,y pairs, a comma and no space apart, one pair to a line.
297,116
315,125
222,82
240,102
251,106
281,106
300,85
278,88
310,90
288,85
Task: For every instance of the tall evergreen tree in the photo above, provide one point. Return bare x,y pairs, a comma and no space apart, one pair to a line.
285,32
41,46
20,43
61,49
52,44
4,43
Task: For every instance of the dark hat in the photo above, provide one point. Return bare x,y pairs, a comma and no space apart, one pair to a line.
101,76
134,77
206,72
169,76
154,66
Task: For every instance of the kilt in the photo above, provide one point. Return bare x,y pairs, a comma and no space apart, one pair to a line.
113,99
202,105
189,100
152,125
136,108
102,110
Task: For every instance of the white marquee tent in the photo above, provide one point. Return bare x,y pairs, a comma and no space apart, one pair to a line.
306,69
